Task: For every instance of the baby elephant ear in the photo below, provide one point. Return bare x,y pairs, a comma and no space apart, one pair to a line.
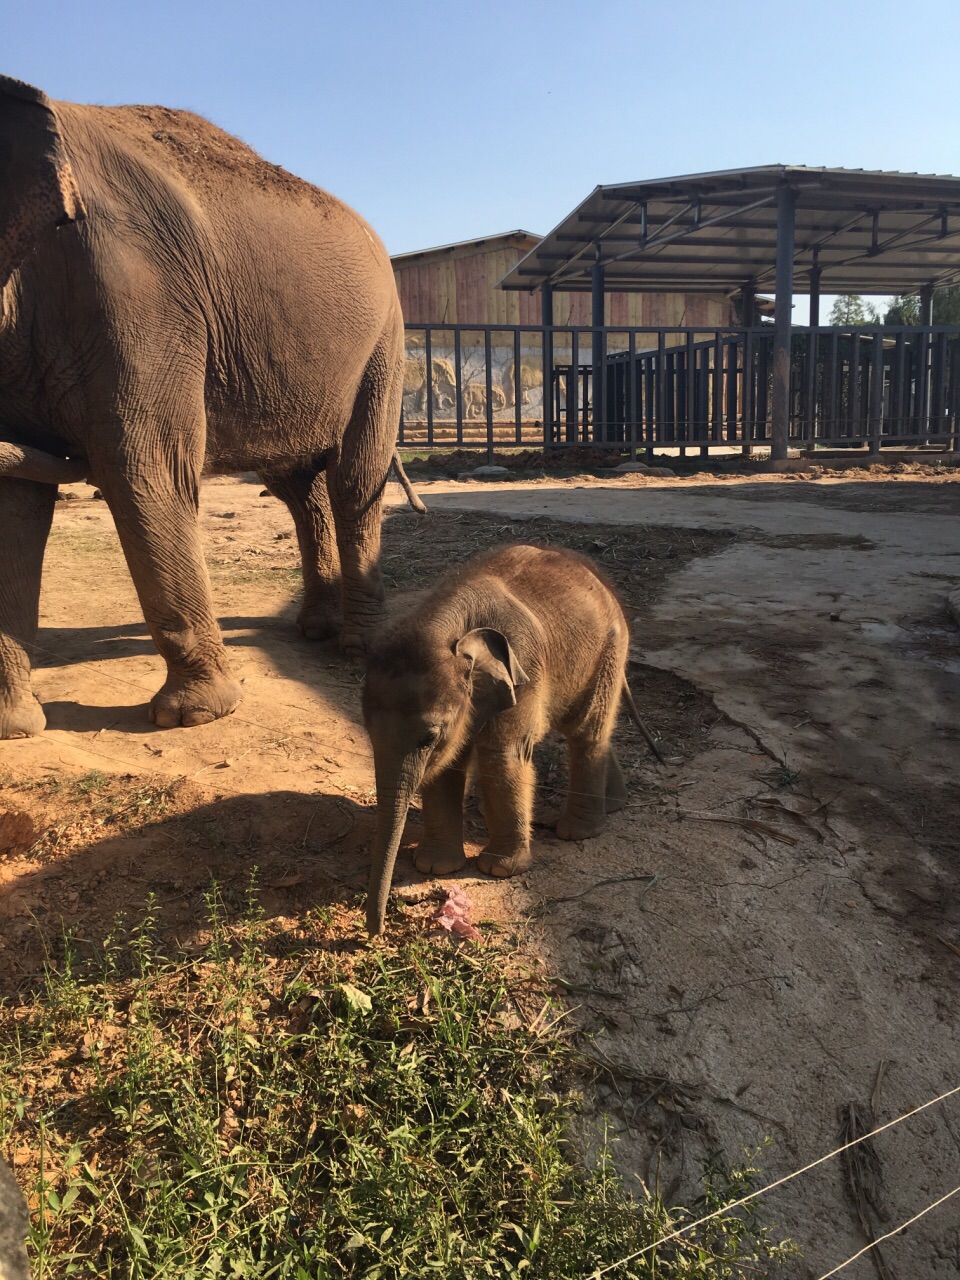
496,672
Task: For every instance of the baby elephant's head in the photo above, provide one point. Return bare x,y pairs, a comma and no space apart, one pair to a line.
422,706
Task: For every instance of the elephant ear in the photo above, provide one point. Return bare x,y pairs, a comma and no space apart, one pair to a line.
38,190
495,672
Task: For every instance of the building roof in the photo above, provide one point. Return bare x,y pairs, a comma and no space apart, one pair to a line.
870,231
520,239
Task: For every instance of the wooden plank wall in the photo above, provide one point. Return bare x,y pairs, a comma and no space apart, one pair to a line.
461,288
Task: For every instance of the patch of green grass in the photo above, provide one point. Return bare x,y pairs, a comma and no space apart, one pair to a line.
331,1111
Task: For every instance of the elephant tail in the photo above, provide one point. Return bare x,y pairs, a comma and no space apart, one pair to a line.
407,486
635,714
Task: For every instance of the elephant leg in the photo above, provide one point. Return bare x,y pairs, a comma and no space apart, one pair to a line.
616,787
356,481
585,809
160,535
26,513
440,852
506,779
305,493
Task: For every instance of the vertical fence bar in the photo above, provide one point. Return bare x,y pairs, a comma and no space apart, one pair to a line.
458,380
831,389
716,432
876,394
746,395
897,385
661,386
573,388
938,381
733,387
488,382
854,393
690,392
808,418
428,354
633,399
517,389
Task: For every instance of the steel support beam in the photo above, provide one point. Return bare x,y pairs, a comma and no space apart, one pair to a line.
926,304
748,304
783,317
815,272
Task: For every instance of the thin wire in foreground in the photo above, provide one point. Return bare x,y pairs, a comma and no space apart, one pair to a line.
879,1240
771,1186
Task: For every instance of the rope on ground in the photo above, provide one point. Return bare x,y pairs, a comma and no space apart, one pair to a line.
896,1230
771,1186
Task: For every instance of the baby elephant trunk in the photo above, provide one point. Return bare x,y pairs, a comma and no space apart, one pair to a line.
396,785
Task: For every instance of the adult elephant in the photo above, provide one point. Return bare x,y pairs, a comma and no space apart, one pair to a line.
172,304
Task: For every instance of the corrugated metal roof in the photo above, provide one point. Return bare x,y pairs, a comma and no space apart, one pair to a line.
523,238
871,231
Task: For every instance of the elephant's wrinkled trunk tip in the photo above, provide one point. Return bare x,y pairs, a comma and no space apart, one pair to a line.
393,801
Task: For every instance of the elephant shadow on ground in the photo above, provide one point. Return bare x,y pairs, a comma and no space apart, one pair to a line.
92,860
290,655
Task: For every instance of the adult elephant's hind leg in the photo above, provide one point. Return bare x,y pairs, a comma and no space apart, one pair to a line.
159,531
356,481
26,512
305,493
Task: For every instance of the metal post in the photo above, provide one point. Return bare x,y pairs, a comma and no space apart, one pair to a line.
926,305
748,304
780,405
546,319
815,273
599,371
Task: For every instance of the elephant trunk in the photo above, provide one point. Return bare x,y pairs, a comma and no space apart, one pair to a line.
20,462
395,788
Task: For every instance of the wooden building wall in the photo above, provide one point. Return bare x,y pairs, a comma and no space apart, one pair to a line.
459,286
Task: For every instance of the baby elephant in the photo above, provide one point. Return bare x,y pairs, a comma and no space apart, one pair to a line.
505,648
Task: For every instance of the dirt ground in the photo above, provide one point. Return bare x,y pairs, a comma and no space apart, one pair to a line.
770,931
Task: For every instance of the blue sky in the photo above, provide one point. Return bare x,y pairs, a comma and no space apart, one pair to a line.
442,122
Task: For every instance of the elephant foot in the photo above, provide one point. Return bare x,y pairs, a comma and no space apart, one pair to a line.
615,803
22,718
355,641
315,622
190,702
435,860
504,865
571,828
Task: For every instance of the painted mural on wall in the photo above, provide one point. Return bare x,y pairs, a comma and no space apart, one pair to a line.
506,381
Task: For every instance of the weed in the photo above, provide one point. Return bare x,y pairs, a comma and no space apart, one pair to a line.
345,1112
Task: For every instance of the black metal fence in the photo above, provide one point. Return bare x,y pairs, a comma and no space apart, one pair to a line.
675,388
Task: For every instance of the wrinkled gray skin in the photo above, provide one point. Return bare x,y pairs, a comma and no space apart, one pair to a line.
14,1224
507,647
173,305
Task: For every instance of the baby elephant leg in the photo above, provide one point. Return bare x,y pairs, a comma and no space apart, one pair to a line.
585,811
506,779
616,787
440,852
596,781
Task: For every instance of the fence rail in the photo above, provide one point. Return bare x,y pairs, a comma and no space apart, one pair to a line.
489,386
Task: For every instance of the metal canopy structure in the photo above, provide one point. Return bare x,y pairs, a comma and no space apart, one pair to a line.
740,230
854,231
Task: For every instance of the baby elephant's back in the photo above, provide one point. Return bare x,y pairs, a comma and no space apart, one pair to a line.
583,623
